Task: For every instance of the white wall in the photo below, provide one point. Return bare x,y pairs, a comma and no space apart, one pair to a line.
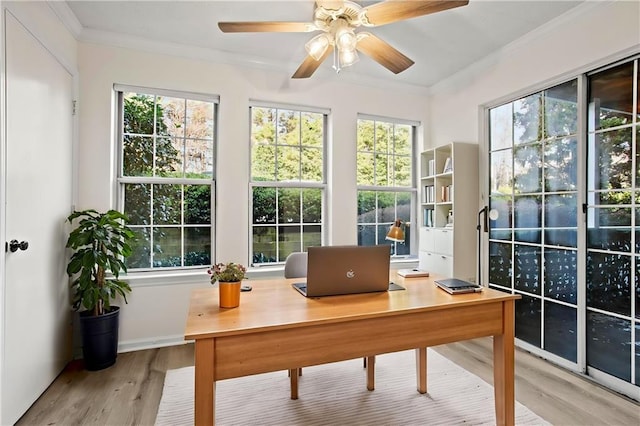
156,313
588,35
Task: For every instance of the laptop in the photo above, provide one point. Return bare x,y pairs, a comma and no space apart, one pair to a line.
457,286
337,270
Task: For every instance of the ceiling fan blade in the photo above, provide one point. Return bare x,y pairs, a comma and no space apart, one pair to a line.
390,11
310,65
260,27
383,53
330,4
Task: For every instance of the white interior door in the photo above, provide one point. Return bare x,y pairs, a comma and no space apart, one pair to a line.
36,317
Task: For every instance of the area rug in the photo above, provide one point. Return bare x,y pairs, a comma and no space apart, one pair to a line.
336,394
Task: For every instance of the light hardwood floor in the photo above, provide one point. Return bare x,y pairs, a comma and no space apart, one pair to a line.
129,392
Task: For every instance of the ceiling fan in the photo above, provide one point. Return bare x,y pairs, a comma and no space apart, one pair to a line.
337,20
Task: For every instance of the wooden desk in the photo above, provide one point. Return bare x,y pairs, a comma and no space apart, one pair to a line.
276,328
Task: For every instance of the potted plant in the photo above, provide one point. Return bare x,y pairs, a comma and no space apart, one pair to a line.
100,243
229,277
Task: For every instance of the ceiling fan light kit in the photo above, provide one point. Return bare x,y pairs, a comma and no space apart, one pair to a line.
338,19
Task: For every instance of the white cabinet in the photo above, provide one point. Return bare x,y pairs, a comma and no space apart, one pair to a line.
449,205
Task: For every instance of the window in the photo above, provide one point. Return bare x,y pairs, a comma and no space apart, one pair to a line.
386,187
165,175
287,181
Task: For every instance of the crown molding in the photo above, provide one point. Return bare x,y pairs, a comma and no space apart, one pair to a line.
66,16
87,35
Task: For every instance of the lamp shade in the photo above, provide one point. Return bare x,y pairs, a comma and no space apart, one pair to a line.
395,232
317,46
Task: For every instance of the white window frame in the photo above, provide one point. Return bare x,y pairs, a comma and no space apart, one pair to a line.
120,180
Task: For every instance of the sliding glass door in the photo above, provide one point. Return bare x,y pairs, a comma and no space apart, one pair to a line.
613,217
564,167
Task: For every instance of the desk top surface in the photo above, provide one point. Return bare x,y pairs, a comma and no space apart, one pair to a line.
276,304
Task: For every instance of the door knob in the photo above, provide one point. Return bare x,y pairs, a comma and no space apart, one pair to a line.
14,245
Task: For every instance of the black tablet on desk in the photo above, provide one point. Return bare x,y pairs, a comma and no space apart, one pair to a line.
457,286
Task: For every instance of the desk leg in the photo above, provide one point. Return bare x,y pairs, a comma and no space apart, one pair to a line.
421,369
205,395
503,367
371,372
293,378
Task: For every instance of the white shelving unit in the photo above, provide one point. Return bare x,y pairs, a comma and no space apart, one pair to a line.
449,208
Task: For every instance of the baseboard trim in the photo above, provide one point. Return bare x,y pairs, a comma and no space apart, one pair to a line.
158,342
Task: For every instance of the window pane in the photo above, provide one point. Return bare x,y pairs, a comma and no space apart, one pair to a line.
312,164
367,202
167,247
609,344
367,235
402,171
365,169
140,249
527,167
197,246
289,205
528,218
561,275
290,240
312,129
501,125
384,137
526,119
501,172
386,207
263,163
611,97
561,109
365,136
167,204
527,268
610,160
500,264
609,282
560,330
288,127
169,157
383,170
264,244
609,229
198,158
288,163
138,114
197,204
403,210
403,143
312,236
312,205
137,203
199,120
171,116
500,228
528,319
137,156
264,205
561,211
263,126
560,165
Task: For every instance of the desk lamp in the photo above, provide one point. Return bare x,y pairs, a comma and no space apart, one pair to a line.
396,233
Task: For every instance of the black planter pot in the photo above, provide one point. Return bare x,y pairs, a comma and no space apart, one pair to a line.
99,338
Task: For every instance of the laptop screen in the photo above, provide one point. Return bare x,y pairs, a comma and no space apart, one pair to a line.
334,270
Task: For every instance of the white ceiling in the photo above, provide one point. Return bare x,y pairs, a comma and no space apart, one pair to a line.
440,44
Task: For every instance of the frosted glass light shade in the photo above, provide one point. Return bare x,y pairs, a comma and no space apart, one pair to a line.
317,46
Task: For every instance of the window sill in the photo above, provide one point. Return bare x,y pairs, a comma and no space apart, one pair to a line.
200,276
